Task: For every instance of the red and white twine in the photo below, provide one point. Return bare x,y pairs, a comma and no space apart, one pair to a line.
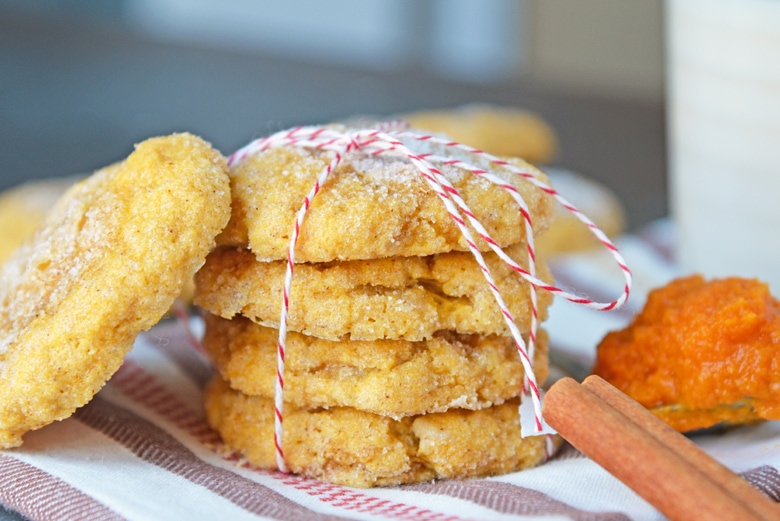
388,139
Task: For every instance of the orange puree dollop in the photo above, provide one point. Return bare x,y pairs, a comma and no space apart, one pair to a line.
700,353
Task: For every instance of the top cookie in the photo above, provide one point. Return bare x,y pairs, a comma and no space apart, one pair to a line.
370,206
107,263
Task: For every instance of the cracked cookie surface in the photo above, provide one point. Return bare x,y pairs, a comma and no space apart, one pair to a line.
359,449
394,378
408,298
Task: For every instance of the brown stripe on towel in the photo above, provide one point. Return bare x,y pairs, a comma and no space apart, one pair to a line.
511,499
567,452
766,479
153,445
355,500
143,388
39,495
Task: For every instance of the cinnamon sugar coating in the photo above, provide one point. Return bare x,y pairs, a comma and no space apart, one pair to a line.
408,298
393,378
359,449
370,207
107,263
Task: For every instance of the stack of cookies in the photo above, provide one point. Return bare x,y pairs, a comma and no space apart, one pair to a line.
399,365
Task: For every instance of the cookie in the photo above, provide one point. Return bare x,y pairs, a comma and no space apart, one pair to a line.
370,207
106,264
359,449
408,298
23,208
388,377
499,130
568,234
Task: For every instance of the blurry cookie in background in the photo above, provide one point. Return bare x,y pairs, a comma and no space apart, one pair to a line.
501,131
23,207
515,132
567,234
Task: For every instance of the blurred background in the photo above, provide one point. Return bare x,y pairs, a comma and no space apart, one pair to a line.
81,81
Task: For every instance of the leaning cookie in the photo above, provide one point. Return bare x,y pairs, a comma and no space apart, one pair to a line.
408,298
388,377
23,208
371,207
355,448
107,263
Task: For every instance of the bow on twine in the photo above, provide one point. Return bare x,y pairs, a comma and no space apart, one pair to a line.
386,139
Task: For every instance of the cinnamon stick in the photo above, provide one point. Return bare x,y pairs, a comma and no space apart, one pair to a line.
685,448
677,488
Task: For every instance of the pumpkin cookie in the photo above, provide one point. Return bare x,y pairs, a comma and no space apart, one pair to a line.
106,264
388,377
359,449
410,298
370,207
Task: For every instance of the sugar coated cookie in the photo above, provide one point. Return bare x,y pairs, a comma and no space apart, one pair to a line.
107,263
388,377
355,448
399,297
370,207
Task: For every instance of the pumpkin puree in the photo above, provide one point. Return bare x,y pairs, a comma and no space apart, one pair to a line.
700,353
